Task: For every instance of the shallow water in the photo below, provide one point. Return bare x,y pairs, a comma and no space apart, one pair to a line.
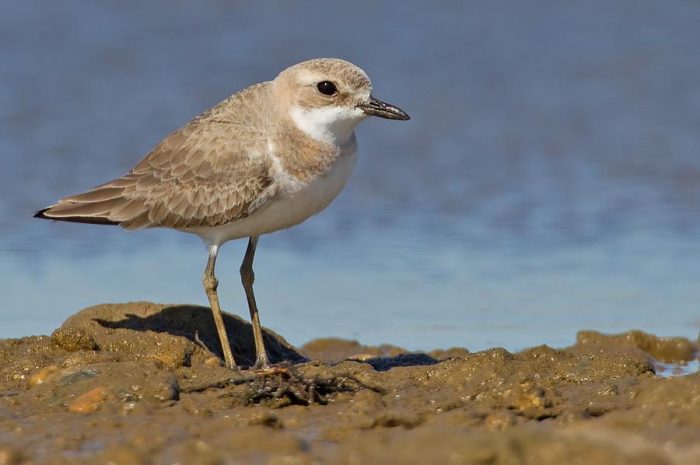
668,370
549,180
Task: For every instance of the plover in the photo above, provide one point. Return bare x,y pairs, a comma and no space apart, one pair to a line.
264,159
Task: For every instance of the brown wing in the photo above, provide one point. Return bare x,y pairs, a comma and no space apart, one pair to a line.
206,174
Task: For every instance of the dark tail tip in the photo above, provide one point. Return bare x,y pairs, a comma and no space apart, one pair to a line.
41,214
74,219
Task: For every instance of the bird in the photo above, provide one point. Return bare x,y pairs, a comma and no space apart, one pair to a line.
264,159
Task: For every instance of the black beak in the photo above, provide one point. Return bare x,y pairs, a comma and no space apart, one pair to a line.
376,107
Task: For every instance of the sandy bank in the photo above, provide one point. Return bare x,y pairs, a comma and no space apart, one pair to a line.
128,384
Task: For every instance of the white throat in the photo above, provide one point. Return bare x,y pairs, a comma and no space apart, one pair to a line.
333,125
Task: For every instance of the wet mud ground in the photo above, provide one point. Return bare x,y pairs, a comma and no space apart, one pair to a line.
132,384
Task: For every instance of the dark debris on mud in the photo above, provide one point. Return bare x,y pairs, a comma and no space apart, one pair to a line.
285,385
290,387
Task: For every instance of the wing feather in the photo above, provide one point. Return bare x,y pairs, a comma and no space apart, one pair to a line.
212,171
207,188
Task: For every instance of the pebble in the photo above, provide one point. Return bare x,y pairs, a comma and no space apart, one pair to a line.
9,456
42,376
213,362
92,400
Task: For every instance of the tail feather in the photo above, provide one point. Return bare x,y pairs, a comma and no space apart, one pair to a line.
105,204
46,214
100,194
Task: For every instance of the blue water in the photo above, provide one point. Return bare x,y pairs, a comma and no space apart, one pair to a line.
548,182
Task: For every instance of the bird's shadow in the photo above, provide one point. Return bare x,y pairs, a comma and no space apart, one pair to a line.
197,324
401,360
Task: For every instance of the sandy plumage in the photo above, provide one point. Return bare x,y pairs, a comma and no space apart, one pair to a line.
264,159
225,163
207,173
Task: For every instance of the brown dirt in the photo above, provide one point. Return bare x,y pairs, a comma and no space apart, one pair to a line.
128,384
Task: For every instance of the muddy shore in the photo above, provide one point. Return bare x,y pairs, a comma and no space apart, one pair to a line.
132,384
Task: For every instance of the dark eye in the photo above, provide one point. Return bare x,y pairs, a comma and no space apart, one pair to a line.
326,88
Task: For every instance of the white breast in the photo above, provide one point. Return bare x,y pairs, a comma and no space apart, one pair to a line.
289,208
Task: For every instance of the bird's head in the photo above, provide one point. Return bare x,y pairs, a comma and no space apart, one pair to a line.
327,97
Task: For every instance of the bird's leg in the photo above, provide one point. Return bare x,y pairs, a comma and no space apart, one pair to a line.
210,285
248,277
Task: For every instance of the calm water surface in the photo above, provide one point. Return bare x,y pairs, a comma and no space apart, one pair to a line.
549,180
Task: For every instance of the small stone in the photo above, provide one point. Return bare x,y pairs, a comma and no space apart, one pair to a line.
213,362
73,339
10,457
42,375
92,400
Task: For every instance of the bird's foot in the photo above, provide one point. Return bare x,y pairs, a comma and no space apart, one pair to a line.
200,343
271,370
262,366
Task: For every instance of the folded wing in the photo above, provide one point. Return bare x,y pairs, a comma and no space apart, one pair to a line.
206,174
